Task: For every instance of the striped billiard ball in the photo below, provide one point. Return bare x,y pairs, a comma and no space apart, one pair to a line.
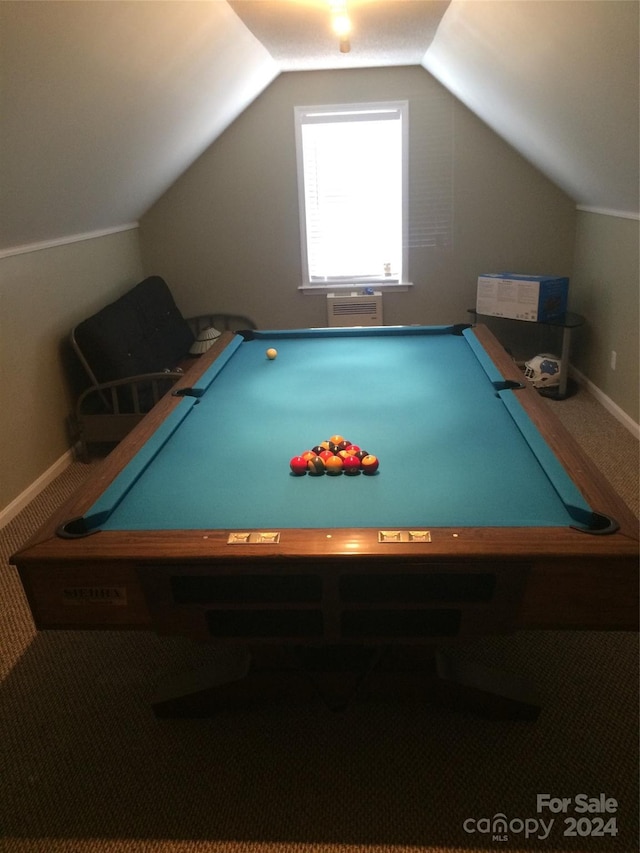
369,464
315,465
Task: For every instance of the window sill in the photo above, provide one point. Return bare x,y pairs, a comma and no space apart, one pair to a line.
378,286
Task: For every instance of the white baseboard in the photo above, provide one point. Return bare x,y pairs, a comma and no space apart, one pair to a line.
32,491
607,403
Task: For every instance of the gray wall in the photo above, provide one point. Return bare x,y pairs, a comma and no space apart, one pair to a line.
226,235
43,294
606,289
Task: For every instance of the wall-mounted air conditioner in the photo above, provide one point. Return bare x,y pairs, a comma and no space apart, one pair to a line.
354,309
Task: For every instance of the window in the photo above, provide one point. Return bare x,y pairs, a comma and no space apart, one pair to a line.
352,183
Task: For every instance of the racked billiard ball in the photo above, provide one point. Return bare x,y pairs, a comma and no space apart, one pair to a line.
370,464
351,465
318,449
315,465
352,449
361,454
333,465
298,465
336,439
308,454
325,455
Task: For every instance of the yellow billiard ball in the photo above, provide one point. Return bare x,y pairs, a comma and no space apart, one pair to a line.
333,465
272,353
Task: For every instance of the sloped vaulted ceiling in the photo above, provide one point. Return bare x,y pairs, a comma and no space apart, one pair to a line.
559,81
104,104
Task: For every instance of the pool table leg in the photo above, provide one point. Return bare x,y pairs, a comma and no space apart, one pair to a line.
195,693
487,692
338,676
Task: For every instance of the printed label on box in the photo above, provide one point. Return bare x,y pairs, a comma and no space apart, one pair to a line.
535,299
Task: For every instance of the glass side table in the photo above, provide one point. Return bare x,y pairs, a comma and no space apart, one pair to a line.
568,322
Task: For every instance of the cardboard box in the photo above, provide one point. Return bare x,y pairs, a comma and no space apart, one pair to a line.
536,298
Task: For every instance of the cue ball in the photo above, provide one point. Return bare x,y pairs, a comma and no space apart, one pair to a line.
272,353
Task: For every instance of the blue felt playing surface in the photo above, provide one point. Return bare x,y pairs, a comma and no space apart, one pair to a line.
451,453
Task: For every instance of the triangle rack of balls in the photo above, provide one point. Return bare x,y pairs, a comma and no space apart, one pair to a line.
333,457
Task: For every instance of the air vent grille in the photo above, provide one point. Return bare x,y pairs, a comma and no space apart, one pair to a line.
354,309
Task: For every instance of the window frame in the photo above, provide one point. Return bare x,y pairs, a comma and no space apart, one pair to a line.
379,282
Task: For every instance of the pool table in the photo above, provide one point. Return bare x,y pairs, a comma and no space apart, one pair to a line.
483,516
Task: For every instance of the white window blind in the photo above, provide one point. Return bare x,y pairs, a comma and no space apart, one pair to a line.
352,174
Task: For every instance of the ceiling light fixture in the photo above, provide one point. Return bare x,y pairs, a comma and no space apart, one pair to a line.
341,23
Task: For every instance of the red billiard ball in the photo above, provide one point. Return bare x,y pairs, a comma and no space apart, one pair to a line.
325,455
298,465
351,465
334,465
352,449
315,465
370,464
